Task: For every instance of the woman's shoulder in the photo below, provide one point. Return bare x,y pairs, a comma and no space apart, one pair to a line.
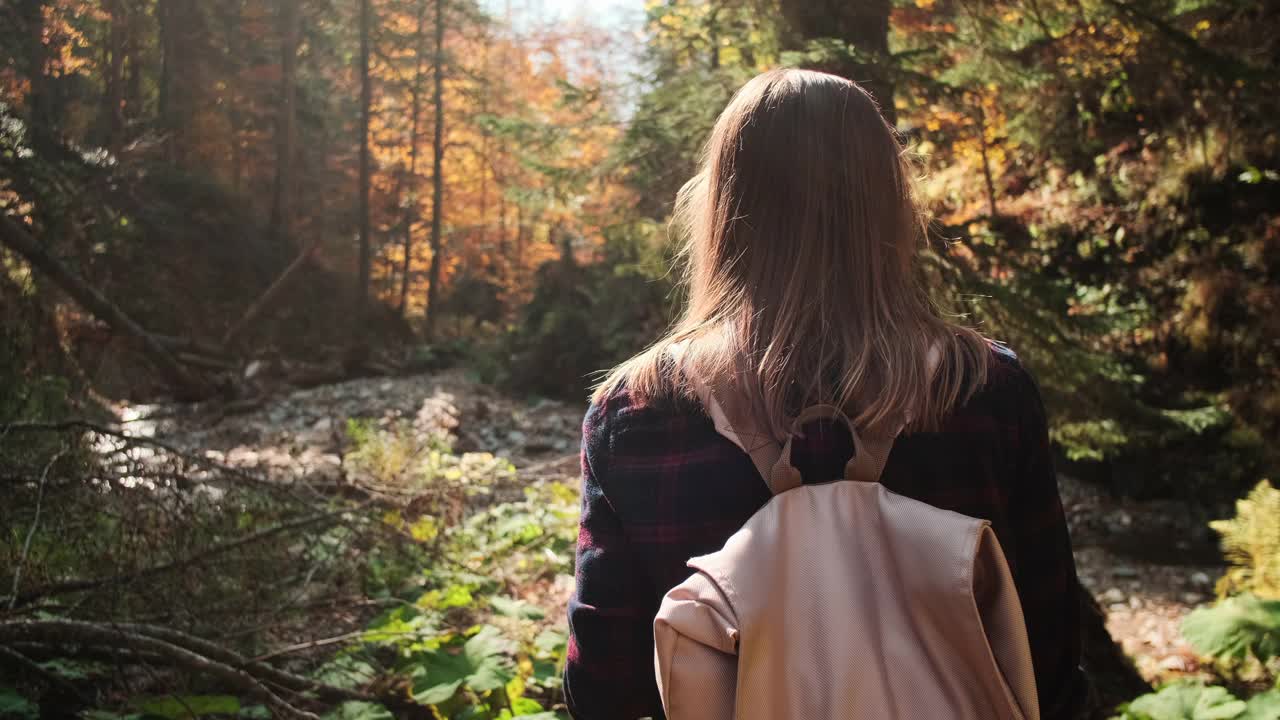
621,407
1009,389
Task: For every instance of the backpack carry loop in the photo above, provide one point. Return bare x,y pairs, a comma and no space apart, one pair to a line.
869,456
771,458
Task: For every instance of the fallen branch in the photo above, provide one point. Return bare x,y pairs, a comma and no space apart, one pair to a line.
268,674
87,426
16,238
17,659
71,586
310,645
289,681
269,295
77,632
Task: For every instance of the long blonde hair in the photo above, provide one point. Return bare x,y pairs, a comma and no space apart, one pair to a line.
801,235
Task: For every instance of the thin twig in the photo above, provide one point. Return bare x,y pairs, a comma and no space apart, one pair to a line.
35,522
71,586
86,633
310,645
152,442
153,640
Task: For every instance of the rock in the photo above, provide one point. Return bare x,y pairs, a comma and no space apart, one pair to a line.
252,369
242,455
1135,602
1113,595
1123,571
1201,578
1192,598
516,437
323,425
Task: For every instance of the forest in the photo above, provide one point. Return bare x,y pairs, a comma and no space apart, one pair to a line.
302,301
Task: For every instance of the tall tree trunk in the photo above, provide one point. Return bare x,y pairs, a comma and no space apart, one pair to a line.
113,97
864,25
165,16
366,101
411,207
16,238
713,35
281,223
437,177
183,42
41,116
134,67
986,160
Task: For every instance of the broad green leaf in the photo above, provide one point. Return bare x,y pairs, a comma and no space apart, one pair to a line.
512,607
1185,701
1263,707
488,652
1236,628
525,706
14,705
181,707
356,710
546,673
346,672
482,663
551,641
451,597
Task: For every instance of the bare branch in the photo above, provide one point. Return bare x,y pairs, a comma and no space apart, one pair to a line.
35,523
92,584
76,632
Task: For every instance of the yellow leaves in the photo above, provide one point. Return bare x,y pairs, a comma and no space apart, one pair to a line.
925,4
393,518
424,529
729,55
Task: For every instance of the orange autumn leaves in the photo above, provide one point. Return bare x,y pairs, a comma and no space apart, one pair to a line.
529,123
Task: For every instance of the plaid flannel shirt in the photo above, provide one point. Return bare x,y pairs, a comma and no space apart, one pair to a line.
660,486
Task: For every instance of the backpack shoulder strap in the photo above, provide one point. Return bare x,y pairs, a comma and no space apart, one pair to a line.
732,420
735,421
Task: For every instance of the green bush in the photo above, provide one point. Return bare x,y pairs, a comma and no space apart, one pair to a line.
1240,633
1251,542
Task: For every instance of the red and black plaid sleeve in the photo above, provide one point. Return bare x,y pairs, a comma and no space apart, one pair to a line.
1045,571
609,670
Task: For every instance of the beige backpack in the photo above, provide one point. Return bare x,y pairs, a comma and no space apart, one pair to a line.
843,600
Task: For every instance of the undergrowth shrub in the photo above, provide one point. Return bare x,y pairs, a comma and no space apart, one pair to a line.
1240,634
1251,542
467,641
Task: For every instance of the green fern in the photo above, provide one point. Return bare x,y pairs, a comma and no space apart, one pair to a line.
1251,542
1235,629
